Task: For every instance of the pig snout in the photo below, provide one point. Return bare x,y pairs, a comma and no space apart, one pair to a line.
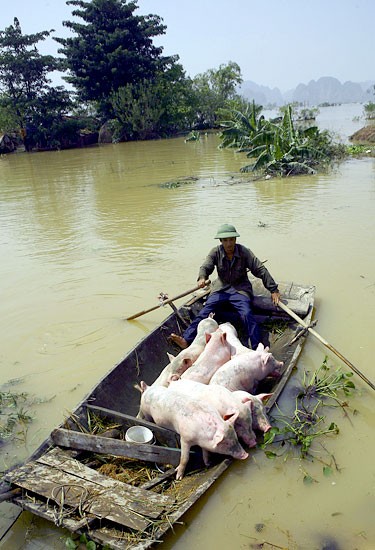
249,441
233,448
274,367
240,453
261,421
275,374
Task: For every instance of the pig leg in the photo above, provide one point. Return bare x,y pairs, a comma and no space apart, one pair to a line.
206,457
185,449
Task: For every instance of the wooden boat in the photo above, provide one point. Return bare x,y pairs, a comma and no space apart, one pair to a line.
87,478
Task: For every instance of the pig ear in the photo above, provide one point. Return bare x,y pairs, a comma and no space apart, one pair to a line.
187,362
231,416
246,399
267,348
260,347
208,336
170,357
143,386
265,357
264,396
218,437
173,378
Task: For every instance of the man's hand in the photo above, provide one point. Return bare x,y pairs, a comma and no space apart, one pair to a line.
202,283
275,297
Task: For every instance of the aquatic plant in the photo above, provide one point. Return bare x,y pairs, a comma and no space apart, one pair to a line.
12,415
82,542
193,136
369,109
298,431
279,147
360,149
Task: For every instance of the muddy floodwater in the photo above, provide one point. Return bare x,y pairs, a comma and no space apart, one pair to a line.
91,236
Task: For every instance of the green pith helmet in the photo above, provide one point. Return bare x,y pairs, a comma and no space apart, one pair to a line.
226,230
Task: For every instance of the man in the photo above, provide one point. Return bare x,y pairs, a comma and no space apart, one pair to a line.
232,262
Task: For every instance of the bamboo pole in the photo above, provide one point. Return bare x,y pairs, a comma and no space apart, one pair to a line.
325,343
165,302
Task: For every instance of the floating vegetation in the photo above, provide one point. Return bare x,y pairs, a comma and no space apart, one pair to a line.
193,136
82,542
178,182
359,150
297,432
14,418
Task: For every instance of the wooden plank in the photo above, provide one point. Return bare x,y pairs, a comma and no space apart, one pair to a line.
160,479
94,493
202,482
48,512
195,486
117,447
142,501
10,495
73,492
169,437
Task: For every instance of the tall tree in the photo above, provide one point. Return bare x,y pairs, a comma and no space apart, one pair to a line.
214,89
25,90
225,79
154,109
112,48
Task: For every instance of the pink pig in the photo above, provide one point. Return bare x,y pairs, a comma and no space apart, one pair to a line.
243,372
260,418
185,359
225,402
197,423
232,337
217,352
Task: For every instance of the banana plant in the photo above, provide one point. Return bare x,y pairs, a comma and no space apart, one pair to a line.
240,126
276,147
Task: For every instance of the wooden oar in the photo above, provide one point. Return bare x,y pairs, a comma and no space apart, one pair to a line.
325,343
164,302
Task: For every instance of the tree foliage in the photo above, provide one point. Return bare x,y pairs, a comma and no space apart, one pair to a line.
214,90
156,108
27,99
111,49
23,71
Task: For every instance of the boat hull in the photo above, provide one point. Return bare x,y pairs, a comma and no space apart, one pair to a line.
72,479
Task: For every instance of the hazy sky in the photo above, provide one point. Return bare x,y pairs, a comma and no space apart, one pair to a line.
277,43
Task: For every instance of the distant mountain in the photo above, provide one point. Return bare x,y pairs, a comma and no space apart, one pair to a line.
326,89
262,95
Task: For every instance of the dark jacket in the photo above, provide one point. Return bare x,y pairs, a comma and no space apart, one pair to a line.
234,273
